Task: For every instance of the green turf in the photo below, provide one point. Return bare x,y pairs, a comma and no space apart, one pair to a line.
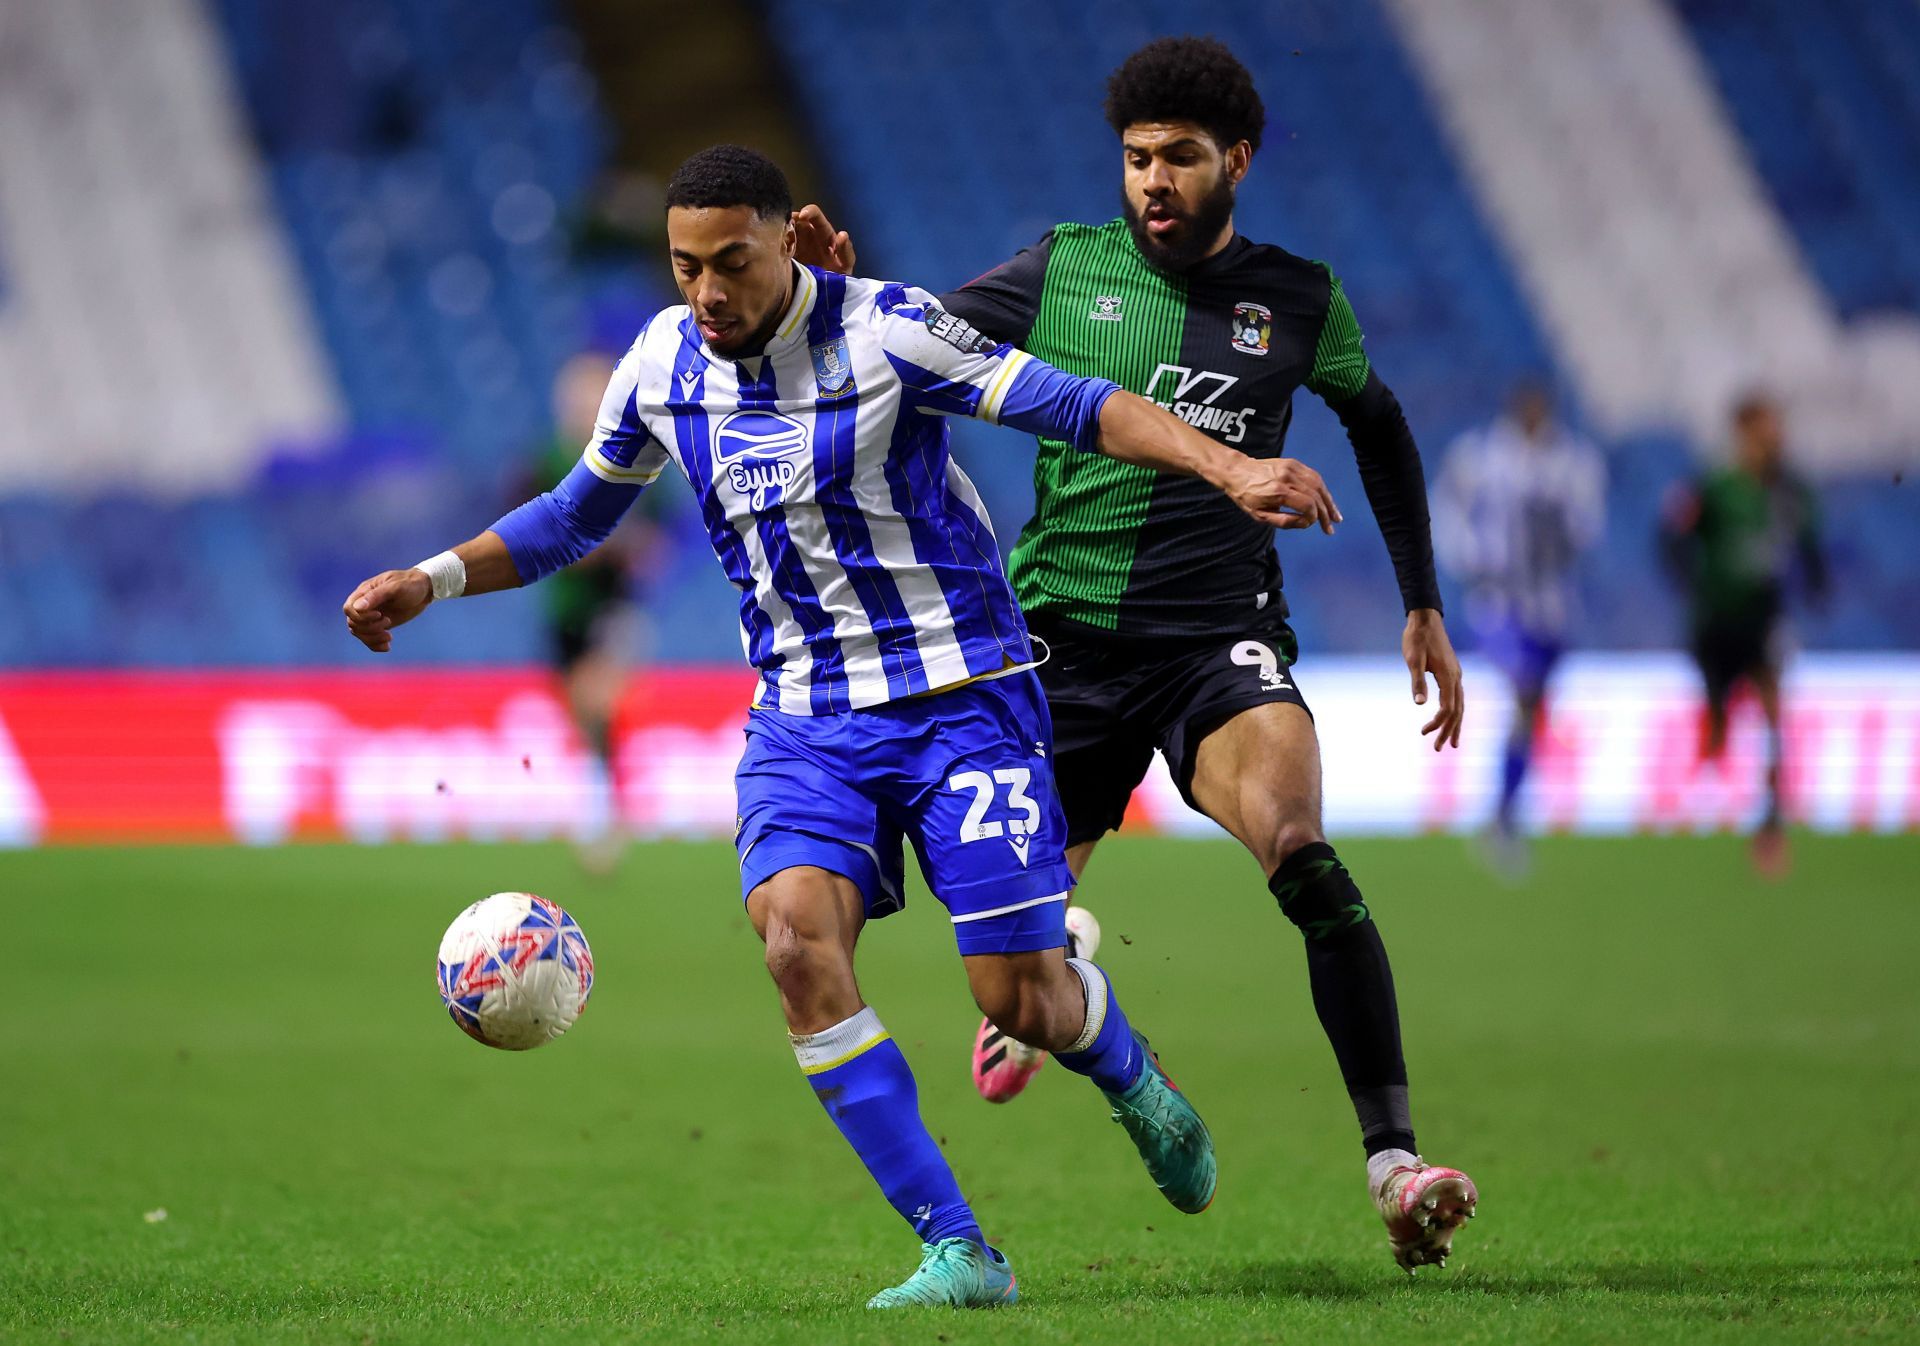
1691,1102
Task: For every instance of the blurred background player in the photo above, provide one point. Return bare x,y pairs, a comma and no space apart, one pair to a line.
593,619
1736,536
1517,502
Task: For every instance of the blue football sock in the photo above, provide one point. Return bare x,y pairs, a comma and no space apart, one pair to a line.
1106,1052
863,1081
1513,771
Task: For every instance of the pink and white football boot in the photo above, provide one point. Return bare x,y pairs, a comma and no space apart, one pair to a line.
1001,1066
1423,1204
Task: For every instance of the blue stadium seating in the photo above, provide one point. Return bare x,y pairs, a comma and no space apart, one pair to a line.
1353,171
425,155
971,163
1828,99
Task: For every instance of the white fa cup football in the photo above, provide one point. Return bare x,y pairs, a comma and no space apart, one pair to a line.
1084,931
515,971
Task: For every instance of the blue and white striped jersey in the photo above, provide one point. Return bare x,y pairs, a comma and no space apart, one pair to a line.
1511,518
865,561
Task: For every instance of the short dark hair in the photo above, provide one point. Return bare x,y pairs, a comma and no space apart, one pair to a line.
1187,79
731,175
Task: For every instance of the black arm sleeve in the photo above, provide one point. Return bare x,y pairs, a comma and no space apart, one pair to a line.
1004,303
1396,487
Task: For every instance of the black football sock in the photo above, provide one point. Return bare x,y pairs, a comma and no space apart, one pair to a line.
1776,752
1352,990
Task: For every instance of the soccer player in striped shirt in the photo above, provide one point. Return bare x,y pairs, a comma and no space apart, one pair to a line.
1162,604
1521,499
896,699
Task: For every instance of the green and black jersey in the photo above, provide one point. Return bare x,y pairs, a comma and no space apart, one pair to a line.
577,596
1126,549
1747,536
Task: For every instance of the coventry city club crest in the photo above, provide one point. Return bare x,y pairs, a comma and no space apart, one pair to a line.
1252,328
832,367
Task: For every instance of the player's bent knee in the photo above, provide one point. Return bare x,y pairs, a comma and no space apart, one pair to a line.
1287,839
786,951
807,930
806,969
1317,894
1008,1004
1030,997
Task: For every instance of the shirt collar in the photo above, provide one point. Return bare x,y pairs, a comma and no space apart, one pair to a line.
793,322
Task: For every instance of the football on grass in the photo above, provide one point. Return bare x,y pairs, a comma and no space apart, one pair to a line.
515,971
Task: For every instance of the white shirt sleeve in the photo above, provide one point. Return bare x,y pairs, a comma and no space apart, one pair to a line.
622,448
946,365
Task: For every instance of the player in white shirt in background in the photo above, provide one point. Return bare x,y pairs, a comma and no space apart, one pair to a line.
1516,504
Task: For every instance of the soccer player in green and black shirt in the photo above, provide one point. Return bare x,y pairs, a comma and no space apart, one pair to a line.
1737,535
591,613
1163,608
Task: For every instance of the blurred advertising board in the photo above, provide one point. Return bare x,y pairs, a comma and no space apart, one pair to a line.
425,754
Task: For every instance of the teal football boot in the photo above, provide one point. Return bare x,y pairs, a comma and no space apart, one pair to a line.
1169,1134
955,1272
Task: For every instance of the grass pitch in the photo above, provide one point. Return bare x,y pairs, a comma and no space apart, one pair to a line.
1691,1102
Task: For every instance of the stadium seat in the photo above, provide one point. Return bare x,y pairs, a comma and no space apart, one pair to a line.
423,155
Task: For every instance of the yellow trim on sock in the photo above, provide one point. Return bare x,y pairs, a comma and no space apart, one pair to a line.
845,1057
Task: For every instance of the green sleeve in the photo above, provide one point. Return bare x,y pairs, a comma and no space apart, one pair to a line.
1340,365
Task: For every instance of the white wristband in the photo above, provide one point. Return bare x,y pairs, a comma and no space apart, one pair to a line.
448,574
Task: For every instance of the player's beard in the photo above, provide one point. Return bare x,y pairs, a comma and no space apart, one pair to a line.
1198,228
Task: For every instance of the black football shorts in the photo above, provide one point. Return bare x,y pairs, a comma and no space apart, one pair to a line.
1115,699
1729,651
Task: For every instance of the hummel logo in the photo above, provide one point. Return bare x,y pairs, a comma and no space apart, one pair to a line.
687,381
924,1214
1106,308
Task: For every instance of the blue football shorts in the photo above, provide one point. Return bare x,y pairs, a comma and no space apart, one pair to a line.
965,775
1526,656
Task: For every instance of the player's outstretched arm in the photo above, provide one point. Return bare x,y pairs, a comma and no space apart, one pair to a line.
1280,492
950,369
395,597
548,532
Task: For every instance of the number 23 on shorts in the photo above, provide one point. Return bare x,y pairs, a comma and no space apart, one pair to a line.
976,826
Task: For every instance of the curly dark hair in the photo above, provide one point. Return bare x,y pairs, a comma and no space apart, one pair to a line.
1187,79
731,175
